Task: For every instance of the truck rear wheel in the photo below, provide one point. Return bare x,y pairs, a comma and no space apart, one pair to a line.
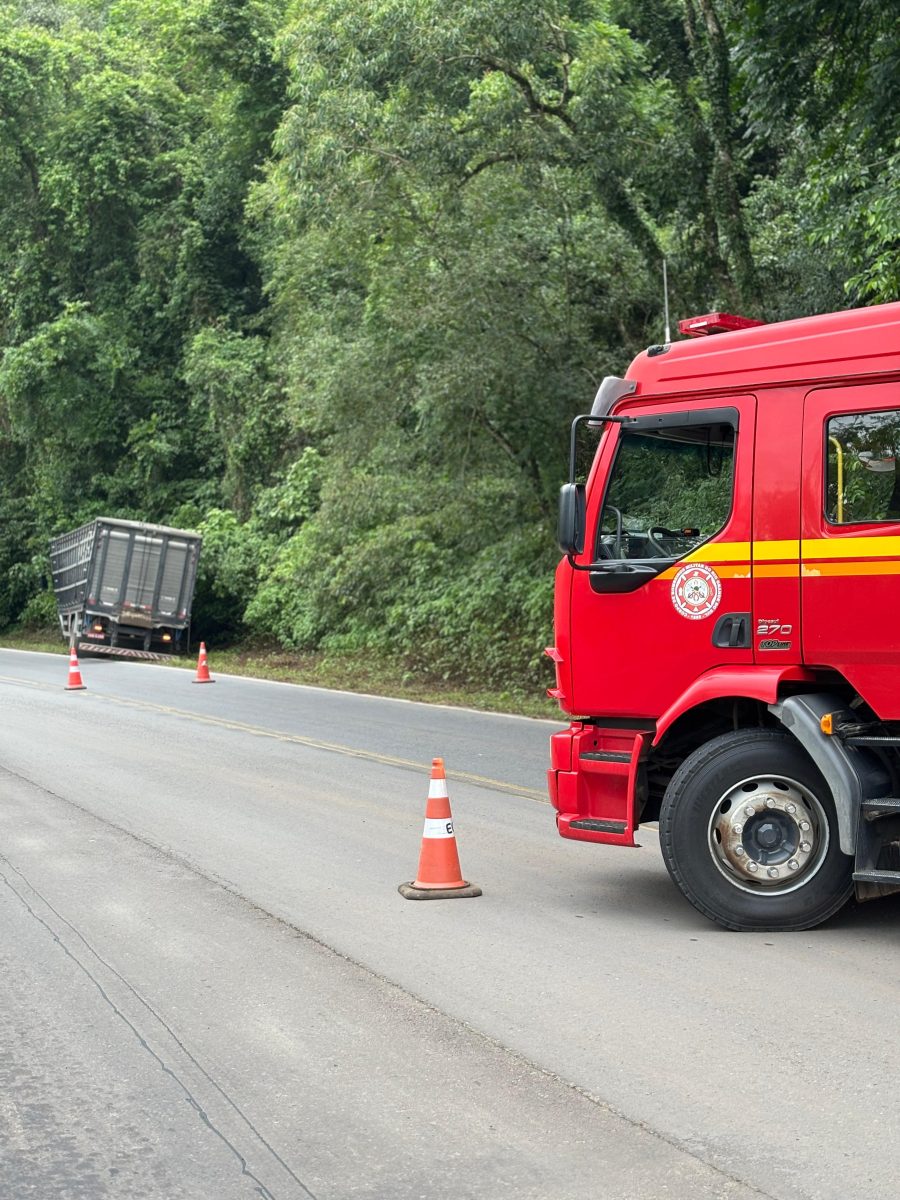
749,834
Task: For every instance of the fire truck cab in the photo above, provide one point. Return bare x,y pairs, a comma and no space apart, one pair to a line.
727,615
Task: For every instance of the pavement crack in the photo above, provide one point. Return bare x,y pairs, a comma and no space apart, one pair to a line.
142,1039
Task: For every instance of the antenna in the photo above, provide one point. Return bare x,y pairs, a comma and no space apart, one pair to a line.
668,337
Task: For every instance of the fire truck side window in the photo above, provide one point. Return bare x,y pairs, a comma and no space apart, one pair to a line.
669,491
861,480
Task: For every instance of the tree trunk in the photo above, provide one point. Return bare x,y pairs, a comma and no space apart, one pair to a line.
710,52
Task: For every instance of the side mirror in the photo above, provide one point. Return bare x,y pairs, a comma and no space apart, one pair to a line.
572,507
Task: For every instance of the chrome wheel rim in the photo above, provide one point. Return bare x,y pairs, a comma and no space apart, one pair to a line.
768,835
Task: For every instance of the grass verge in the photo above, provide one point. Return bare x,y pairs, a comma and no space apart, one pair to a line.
347,672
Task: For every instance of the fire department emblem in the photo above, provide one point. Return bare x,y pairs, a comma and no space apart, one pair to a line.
696,591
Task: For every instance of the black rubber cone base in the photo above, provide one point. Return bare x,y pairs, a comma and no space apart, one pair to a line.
413,893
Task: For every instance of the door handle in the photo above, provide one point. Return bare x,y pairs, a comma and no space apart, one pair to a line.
732,632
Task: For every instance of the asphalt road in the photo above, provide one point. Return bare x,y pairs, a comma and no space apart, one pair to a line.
210,987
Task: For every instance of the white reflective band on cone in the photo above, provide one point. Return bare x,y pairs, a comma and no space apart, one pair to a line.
438,827
437,789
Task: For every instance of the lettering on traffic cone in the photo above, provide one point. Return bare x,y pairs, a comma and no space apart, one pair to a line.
439,876
75,683
203,675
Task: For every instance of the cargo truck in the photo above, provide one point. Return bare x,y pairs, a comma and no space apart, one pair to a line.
727,641
125,588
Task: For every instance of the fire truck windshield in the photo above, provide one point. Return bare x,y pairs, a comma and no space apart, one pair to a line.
669,491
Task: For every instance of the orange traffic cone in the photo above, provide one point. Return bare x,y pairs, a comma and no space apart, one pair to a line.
439,877
75,683
203,675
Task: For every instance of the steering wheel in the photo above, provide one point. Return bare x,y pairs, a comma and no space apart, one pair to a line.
679,535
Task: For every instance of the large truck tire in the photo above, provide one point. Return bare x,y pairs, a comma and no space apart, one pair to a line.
749,834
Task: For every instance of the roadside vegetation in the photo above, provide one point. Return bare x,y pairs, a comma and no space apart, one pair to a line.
327,279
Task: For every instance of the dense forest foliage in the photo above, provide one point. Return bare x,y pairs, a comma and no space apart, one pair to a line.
327,279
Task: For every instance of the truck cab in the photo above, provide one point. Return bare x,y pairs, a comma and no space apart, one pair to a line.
725,633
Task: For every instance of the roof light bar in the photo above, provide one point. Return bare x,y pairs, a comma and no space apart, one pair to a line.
716,322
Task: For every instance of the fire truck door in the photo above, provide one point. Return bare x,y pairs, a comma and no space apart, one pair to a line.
850,538
668,525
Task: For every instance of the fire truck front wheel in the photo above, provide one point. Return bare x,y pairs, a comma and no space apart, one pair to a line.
749,833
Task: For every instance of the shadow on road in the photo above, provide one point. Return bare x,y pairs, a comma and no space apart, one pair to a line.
650,898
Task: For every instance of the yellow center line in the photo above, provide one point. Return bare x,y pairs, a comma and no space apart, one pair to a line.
388,760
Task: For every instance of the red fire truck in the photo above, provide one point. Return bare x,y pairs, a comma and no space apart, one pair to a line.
727,615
